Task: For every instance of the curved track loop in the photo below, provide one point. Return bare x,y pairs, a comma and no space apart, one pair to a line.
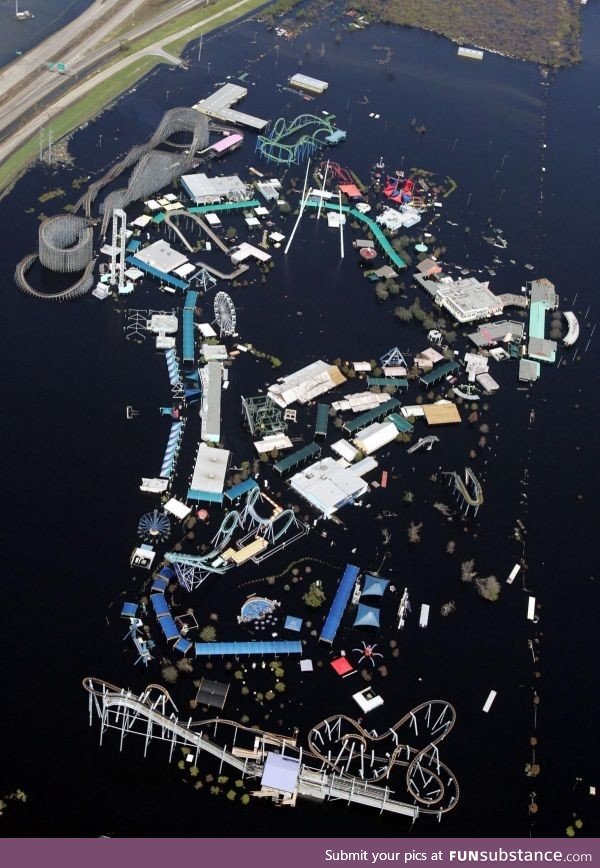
342,744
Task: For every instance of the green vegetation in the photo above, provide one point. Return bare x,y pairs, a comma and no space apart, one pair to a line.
51,194
92,103
280,7
84,109
545,32
315,596
196,18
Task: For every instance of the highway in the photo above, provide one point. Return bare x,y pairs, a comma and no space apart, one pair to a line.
17,125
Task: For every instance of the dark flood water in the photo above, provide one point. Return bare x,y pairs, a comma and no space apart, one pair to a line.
523,149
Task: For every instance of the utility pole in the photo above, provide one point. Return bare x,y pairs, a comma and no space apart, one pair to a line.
41,144
200,47
49,147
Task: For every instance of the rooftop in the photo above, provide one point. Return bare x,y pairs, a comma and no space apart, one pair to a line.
218,105
328,485
209,470
162,256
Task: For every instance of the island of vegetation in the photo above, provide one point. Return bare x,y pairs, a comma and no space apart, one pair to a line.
546,32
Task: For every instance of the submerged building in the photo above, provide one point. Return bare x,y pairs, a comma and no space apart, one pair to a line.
306,384
466,299
329,484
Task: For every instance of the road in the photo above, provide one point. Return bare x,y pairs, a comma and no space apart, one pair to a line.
86,53
82,57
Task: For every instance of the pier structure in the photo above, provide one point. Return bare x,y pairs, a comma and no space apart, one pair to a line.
218,106
469,492
362,772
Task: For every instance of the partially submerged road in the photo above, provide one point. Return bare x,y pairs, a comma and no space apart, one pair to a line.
18,109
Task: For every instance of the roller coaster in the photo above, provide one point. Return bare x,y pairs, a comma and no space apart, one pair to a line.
272,145
154,169
399,772
467,498
192,570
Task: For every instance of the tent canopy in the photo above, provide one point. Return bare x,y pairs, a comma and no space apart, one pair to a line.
374,586
366,616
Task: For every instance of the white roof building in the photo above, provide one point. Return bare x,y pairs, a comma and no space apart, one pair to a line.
210,412
467,299
273,441
345,450
306,384
206,330
244,251
475,364
210,469
393,219
360,402
204,190
306,82
375,436
162,322
329,484
161,256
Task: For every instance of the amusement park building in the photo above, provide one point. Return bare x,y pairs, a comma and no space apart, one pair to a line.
329,484
307,83
204,190
306,384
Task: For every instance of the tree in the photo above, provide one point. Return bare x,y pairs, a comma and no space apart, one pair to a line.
467,573
208,633
404,314
489,588
315,596
414,532
169,674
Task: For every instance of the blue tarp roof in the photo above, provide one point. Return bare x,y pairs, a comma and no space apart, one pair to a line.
340,600
188,335
206,649
183,645
374,586
129,610
293,623
242,488
159,604
159,585
169,627
166,572
366,616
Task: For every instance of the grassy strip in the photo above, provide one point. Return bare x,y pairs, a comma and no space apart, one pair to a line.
196,19
177,46
107,91
75,115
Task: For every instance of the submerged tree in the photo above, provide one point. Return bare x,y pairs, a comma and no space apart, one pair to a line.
208,633
315,596
467,573
489,588
414,532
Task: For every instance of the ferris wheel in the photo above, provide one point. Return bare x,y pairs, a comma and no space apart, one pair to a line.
225,313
